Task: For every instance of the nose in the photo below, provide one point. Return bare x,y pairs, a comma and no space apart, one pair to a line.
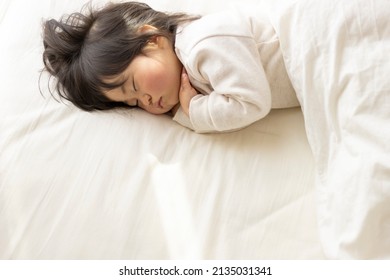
146,100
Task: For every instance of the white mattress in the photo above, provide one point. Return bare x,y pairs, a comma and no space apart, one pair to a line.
128,185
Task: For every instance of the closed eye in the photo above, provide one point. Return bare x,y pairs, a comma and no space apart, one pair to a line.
134,87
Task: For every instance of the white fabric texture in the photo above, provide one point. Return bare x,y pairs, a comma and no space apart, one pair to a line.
233,59
129,185
337,55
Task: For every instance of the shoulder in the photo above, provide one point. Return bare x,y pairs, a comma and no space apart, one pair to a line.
222,24
212,38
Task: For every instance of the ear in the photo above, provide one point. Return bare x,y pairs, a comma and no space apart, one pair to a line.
154,40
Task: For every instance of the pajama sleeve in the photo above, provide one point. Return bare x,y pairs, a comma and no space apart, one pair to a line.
240,92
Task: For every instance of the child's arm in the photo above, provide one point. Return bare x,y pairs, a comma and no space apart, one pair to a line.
240,91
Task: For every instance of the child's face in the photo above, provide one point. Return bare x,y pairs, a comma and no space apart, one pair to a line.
152,80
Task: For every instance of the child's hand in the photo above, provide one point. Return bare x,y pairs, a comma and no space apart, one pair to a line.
187,92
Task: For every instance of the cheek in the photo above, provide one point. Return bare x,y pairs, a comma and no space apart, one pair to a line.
156,81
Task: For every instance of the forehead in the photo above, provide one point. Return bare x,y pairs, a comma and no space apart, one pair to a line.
115,94
115,90
116,79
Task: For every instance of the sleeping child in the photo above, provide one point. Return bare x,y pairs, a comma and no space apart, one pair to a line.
219,72
224,71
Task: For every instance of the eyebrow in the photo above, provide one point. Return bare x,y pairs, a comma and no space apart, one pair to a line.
134,88
123,82
123,88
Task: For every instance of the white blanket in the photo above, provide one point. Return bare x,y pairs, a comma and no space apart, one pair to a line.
337,53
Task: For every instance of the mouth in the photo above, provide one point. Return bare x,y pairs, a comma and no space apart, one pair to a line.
160,103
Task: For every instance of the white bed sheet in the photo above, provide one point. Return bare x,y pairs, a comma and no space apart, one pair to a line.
129,185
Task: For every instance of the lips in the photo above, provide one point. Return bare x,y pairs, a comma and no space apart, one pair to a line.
159,103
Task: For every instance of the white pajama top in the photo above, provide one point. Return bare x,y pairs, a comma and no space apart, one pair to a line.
234,61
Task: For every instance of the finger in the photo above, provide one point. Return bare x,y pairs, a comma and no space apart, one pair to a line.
185,81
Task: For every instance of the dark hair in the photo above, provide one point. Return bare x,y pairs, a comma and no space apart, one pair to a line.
82,50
